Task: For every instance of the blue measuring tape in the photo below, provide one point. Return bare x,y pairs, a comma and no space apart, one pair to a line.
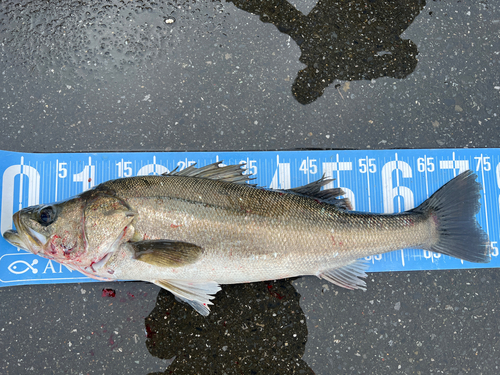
383,181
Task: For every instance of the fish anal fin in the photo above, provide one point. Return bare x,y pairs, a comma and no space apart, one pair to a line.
195,293
347,276
164,253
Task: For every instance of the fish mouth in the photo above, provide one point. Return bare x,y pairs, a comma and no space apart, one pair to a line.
13,238
24,236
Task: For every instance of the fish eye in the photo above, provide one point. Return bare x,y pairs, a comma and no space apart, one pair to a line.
47,216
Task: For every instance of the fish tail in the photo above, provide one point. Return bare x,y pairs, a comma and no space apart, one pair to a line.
453,209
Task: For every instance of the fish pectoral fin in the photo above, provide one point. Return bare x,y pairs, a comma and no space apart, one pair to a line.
165,253
196,294
347,276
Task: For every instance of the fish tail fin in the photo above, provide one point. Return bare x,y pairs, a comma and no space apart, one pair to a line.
453,209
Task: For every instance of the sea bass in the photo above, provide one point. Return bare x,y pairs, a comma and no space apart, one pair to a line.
192,230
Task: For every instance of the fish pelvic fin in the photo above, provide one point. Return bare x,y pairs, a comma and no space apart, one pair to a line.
453,209
196,294
347,276
164,253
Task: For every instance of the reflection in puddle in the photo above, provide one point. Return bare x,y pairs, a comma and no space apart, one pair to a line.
343,40
254,328
339,40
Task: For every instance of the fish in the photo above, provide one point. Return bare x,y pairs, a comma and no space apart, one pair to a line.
193,230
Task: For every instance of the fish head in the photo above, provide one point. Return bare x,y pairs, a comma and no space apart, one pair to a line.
80,231
53,231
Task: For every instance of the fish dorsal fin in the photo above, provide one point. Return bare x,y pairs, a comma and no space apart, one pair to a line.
196,294
229,173
313,190
347,276
164,253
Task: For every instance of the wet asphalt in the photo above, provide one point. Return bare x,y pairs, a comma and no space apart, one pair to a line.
252,75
